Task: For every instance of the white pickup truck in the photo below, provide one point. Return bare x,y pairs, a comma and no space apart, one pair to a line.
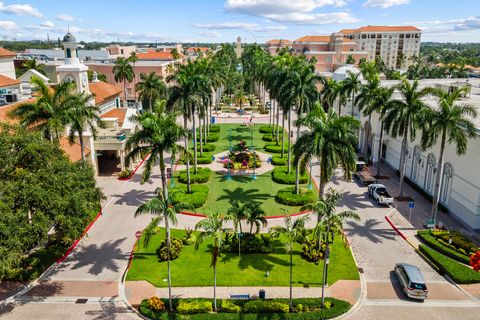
380,194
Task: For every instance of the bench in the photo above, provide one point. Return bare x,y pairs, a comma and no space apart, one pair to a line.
240,296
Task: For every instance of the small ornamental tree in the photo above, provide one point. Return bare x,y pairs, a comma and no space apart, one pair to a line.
475,261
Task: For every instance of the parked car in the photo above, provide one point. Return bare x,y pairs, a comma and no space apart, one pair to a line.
380,194
411,280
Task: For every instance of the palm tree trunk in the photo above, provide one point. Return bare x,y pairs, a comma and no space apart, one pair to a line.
169,278
297,168
215,286
325,265
438,178
82,146
367,137
353,102
277,107
291,276
321,183
283,134
402,158
205,125
194,143
201,135
380,143
289,164
134,89
163,176
187,154
125,90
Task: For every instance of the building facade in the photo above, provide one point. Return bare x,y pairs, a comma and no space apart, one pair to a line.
272,46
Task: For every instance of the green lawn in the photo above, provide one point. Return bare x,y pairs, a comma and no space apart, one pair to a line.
263,190
192,268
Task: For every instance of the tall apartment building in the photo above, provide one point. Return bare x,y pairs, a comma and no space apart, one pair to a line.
387,42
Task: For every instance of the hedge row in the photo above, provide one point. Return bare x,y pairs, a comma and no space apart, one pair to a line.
432,242
458,272
268,137
214,128
207,147
212,137
202,175
281,175
273,148
290,198
269,129
279,161
310,306
197,197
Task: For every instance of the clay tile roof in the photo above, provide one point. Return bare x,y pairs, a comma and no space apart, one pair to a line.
279,41
6,109
347,31
73,151
387,28
196,49
116,113
104,91
313,39
153,55
6,53
7,82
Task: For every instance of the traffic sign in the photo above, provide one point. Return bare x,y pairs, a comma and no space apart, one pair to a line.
411,204
138,234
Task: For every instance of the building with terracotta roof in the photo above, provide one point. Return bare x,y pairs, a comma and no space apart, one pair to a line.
274,45
7,67
107,96
394,44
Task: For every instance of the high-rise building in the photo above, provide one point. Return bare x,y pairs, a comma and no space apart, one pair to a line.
396,45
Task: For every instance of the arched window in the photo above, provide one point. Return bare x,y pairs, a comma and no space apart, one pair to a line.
446,183
69,53
417,157
429,174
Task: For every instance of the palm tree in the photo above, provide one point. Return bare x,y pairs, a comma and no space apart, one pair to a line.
332,222
352,84
237,213
123,71
133,58
81,115
254,215
405,117
292,230
151,88
158,134
449,120
47,112
212,227
331,139
165,210
32,64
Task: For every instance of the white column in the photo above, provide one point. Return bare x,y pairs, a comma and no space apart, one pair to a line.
122,159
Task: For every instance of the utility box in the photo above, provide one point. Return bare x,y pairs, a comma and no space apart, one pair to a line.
261,294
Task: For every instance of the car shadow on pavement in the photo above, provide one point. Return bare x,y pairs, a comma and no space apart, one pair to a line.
367,230
134,197
97,258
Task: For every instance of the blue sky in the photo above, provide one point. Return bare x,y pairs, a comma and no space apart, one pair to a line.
224,20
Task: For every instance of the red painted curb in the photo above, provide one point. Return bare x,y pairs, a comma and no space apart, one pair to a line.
136,168
78,240
201,215
396,229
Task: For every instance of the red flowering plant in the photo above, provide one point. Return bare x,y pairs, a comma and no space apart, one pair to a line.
475,261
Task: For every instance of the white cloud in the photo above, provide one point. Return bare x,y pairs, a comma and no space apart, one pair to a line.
7,25
20,10
452,26
65,17
48,24
288,11
212,34
238,26
384,3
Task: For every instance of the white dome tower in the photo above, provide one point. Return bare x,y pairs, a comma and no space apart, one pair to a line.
73,70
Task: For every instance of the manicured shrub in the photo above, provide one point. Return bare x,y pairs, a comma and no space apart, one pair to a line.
439,245
207,147
273,148
458,272
176,246
265,306
279,161
459,241
288,197
214,128
269,129
311,252
155,304
202,175
229,307
194,306
268,137
125,174
250,243
189,237
197,197
281,175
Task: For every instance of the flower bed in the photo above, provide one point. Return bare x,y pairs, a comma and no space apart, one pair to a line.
306,308
433,242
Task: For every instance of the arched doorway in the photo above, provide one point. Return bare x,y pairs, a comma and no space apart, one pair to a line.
429,174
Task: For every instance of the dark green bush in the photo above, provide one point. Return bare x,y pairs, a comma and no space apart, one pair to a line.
281,175
289,198
125,174
229,307
214,128
459,241
268,137
269,129
176,246
196,198
207,147
311,252
194,306
458,272
273,148
265,306
250,243
436,244
279,161
202,175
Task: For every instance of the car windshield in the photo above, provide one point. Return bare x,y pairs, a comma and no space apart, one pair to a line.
381,190
418,286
